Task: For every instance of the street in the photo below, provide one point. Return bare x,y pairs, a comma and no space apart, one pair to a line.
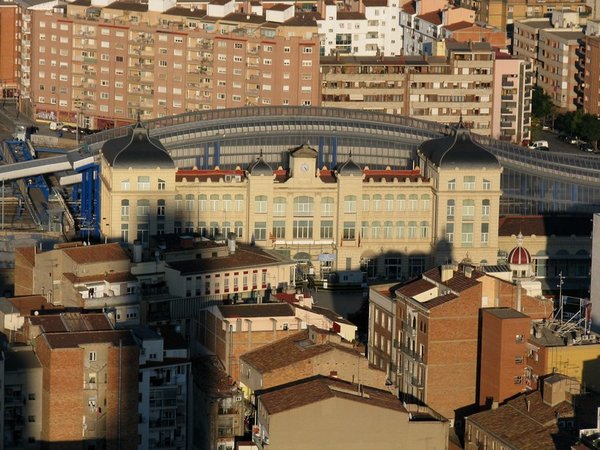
558,146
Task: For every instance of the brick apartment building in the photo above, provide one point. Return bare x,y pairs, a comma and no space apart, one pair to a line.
10,26
424,330
591,90
101,64
90,387
492,94
556,48
229,331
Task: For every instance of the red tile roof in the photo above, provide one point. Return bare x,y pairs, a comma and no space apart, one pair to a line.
89,254
55,323
537,424
391,175
434,17
317,389
415,287
192,175
29,304
76,339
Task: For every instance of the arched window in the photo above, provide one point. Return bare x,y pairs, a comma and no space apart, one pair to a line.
143,209
365,202
125,209
350,204
227,203
388,228
178,202
303,206
413,200
376,230
239,202
425,202
377,202
400,230
203,202
214,202
260,204
279,206
424,230
189,202
389,202
401,202
327,206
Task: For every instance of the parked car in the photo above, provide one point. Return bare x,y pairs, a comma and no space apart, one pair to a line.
586,147
543,148
569,139
537,144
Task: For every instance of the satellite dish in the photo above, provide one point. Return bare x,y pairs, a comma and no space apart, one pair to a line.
36,313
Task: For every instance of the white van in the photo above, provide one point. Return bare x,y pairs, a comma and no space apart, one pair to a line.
539,144
55,126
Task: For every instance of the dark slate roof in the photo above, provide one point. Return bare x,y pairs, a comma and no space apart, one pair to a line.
137,149
257,310
457,150
260,167
305,150
545,225
349,168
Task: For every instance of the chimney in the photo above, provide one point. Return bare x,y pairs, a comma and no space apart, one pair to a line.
447,272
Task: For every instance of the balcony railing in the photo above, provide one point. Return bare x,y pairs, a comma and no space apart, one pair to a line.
410,353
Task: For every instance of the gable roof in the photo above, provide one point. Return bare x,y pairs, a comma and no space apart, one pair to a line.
317,389
290,350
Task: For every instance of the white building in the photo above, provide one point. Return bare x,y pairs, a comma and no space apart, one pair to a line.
164,389
371,30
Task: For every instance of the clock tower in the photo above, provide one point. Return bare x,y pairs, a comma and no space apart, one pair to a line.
303,161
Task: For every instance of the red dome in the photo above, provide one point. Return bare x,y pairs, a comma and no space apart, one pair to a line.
519,255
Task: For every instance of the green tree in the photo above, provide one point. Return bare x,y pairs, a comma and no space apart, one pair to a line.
589,129
541,104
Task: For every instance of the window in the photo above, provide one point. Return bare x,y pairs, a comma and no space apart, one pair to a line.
425,202
389,202
214,202
518,338
124,232
450,232
412,202
485,234
327,229
31,418
303,206
92,356
365,202
452,185
469,183
350,204
160,209
143,183
377,202
468,207
279,229
303,229
375,230
450,207
412,230
388,229
518,360
227,203
518,379
424,230
260,204
143,209
239,229
467,234
161,185
487,185
401,202
239,202
31,396
260,231
202,202
279,204
400,230
364,229
189,202
485,209
349,233
124,209
327,206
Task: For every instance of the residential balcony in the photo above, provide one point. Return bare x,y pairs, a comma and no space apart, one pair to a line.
113,300
411,354
415,381
409,329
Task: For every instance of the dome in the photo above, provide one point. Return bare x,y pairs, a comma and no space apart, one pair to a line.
349,168
519,256
260,167
457,151
138,150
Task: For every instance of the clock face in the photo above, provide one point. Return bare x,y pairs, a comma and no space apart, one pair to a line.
304,167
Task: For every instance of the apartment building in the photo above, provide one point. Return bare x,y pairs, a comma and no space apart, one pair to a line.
229,331
11,26
504,15
307,413
513,83
100,64
297,209
89,389
556,49
428,328
458,80
80,276
220,411
591,77
503,353
305,354
422,23
367,28
164,389
22,399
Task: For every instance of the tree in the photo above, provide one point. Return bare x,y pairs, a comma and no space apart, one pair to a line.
589,129
541,104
